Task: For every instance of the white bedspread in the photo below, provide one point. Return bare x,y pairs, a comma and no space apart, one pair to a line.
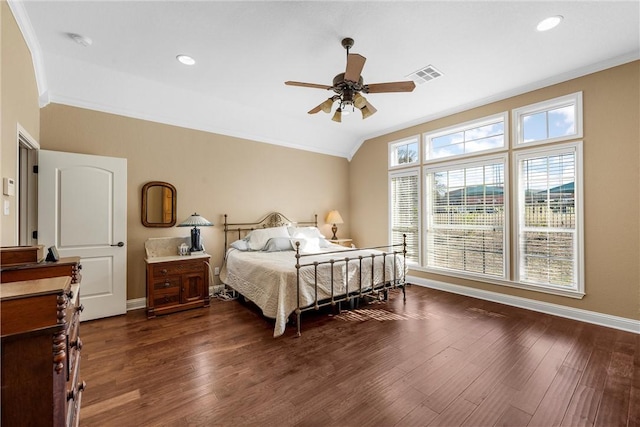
269,278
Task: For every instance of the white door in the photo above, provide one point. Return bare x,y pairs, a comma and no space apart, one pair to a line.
82,208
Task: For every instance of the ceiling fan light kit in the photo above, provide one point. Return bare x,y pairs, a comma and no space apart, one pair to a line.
349,87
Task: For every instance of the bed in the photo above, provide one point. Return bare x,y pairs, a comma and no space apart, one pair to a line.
287,268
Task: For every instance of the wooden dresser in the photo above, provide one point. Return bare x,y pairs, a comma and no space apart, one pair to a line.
174,282
40,338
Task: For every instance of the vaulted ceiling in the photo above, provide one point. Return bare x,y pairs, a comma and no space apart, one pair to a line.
245,51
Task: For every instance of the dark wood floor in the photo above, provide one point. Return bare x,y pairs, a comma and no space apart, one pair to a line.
440,359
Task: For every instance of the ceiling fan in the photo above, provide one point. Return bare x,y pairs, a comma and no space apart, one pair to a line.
349,87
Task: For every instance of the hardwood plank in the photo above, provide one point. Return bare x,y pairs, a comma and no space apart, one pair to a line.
444,395
491,408
552,409
420,416
89,411
513,417
454,414
583,407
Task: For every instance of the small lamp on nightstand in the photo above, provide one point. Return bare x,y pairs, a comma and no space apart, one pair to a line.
334,218
195,221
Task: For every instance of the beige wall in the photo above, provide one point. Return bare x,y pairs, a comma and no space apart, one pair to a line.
611,102
19,98
213,175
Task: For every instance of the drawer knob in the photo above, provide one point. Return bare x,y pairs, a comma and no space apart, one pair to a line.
163,271
70,294
167,284
71,395
80,308
77,343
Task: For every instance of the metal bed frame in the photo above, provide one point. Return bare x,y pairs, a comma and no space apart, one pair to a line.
375,290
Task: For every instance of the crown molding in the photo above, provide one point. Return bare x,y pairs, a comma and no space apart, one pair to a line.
24,24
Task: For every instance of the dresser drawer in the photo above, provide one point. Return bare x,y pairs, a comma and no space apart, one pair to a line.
167,269
168,296
166,283
75,387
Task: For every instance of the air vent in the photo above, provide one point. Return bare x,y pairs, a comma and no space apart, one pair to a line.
425,74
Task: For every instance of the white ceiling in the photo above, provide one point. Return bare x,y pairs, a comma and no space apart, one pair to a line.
245,51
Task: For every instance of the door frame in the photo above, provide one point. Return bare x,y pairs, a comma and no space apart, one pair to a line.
27,188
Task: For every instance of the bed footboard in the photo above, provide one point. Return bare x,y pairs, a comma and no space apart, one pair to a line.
376,274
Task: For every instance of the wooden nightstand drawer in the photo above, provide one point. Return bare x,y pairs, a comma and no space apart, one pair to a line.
167,269
165,297
166,283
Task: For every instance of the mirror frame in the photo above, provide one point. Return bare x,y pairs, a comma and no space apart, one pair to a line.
174,197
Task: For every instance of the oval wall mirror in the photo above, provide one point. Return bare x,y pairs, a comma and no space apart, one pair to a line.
159,204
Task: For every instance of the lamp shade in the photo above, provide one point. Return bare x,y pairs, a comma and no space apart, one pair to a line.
337,116
334,217
195,220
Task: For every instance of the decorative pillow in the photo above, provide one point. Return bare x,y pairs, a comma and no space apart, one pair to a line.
240,245
258,238
310,232
277,244
307,244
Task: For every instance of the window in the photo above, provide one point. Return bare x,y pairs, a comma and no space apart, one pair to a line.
465,213
468,214
405,152
404,194
555,120
484,135
549,216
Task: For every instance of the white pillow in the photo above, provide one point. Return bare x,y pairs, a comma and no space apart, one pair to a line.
258,238
307,244
310,232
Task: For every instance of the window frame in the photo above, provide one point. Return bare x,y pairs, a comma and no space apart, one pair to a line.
468,163
518,115
427,137
577,148
411,171
405,141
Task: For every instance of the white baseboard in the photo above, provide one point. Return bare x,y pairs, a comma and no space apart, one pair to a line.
136,304
616,322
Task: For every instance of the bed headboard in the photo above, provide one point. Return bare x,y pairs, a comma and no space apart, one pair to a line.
237,230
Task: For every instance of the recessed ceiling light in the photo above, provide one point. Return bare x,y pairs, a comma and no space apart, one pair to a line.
549,23
80,39
186,59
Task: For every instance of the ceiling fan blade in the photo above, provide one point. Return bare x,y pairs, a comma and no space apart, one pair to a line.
312,85
355,64
407,86
315,109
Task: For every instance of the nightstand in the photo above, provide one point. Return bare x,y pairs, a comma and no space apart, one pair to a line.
343,242
174,282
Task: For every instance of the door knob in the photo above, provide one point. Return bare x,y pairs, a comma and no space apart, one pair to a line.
119,244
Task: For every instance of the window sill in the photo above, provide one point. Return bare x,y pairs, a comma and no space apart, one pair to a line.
570,293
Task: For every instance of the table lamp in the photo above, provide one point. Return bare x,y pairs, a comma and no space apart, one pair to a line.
334,218
195,221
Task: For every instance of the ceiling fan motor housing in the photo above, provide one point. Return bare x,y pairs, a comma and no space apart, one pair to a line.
340,84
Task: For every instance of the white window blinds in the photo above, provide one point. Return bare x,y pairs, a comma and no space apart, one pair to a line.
466,218
405,200
547,225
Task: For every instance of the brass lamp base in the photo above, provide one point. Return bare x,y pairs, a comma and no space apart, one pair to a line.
335,230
